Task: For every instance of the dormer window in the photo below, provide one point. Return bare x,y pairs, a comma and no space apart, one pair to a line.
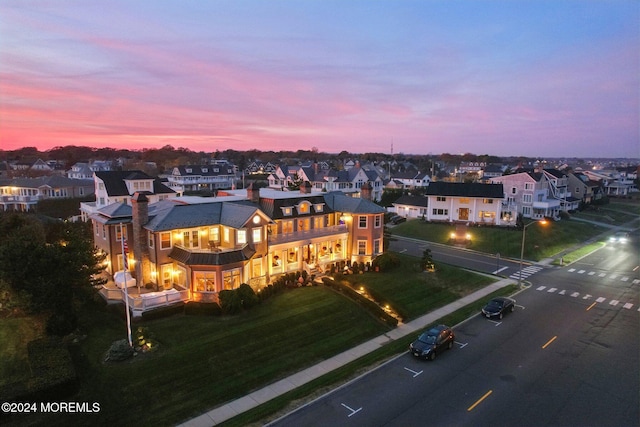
318,207
216,170
288,211
303,207
189,170
205,170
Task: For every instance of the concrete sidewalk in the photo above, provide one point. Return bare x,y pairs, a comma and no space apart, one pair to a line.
258,397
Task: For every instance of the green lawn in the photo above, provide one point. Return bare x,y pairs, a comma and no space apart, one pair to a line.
541,241
15,333
414,292
205,361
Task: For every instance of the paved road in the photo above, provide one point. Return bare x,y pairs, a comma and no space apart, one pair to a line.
567,356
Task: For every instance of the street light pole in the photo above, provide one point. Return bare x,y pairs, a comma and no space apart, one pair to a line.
524,232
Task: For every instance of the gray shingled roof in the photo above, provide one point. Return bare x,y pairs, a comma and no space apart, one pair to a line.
338,201
175,215
114,182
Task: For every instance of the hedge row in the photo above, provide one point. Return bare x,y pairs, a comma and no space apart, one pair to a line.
345,288
53,375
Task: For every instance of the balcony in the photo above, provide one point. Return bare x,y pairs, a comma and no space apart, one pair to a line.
546,204
307,234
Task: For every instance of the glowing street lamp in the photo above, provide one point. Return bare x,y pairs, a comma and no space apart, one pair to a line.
524,232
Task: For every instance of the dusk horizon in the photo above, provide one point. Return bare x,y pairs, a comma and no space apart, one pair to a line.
531,79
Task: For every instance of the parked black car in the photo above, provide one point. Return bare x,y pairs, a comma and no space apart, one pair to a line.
431,342
498,306
397,219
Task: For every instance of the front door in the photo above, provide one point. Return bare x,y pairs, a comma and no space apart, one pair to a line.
464,214
166,271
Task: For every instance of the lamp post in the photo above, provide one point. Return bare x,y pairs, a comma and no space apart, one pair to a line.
524,232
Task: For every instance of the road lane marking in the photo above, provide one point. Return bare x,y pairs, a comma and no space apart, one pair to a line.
589,308
600,299
551,290
470,408
541,288
613,276
587,296
581,271
602,274
415,373
562,292
498,271
550,341
571,270
575,294
462,345
627,305
624,279
591,273
614,302
636,267
353,411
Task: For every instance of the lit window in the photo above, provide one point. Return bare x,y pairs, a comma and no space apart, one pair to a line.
214,234
150,238
362,221
257,235
362,247
165,240
242,237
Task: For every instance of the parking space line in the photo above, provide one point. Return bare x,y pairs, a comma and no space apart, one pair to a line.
415,373
353,411
588,308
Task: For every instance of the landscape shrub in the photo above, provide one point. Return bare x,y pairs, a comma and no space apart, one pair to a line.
386,261
53,373
247,295
120,350
230,302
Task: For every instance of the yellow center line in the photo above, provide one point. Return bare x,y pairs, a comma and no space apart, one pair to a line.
550,341
591,306
479,400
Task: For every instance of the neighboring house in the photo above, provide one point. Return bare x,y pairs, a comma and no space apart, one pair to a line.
259,168
119,187
411,179
471,168
23,194
491,171
558,182
321,179
411,206
217,176
192,248
583,188
614,183
472,203
85,170
529,194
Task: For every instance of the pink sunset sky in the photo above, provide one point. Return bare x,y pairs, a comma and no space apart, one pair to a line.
517,78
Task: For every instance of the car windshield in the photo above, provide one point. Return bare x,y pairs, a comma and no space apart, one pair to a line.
427,338
494,303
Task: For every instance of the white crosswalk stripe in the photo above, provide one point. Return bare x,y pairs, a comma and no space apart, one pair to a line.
526,272
602,275
599,300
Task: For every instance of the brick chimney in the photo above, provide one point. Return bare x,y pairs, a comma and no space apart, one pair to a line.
305,187
366,191
253,193
138,242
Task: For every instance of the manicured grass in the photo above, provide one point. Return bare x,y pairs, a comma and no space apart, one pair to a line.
412,292
205,361
573,256
541,241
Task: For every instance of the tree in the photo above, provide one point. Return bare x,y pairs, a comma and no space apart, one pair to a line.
426,261
55,271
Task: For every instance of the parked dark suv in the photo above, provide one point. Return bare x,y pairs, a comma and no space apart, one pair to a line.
432,342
